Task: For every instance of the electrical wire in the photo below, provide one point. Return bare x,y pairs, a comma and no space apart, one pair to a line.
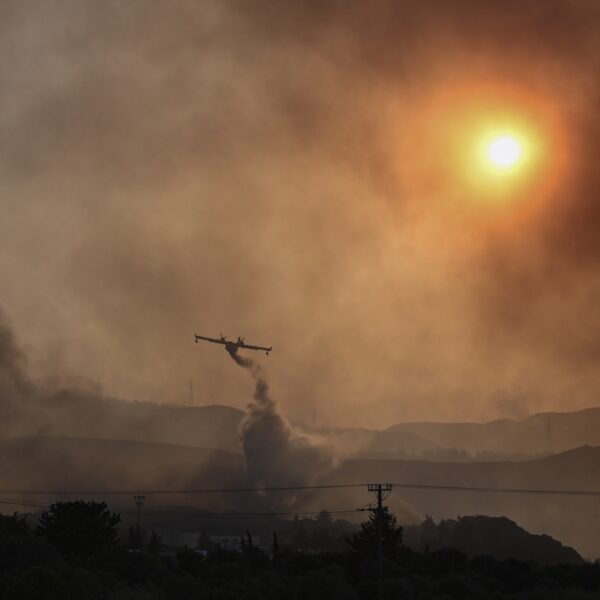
233,515
17,502
291,488
191,491
495,490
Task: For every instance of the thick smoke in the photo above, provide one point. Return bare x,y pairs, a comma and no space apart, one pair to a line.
171,159
13,372
74,437
275,453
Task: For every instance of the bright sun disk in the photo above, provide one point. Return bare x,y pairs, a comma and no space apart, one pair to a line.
504,151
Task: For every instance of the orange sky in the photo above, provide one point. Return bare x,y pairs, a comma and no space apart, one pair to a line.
302,175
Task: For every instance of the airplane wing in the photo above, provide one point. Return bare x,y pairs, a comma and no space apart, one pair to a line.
208,339
250,347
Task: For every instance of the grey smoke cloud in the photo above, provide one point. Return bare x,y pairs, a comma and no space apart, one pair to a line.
252,167
12,359
276,453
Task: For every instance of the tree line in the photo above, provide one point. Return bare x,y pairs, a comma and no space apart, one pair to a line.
74,552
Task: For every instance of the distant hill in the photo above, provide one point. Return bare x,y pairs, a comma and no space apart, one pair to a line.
78,414
540,435
570,519
56,463
44,462
497,537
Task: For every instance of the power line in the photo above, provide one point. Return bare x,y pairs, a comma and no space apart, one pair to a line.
198,513
24,503
495,490
234,515
198,491
191,491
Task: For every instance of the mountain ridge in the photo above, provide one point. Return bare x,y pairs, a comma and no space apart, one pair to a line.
217,426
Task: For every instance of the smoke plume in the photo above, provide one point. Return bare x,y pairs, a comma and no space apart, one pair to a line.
171,159
12,360
277,454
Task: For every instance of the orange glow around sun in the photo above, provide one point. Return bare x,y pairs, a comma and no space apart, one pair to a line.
485,147
505,151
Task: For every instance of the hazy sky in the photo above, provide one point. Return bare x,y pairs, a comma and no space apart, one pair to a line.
296,172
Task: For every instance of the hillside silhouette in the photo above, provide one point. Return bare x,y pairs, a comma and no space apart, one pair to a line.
87,414
79,463
497,537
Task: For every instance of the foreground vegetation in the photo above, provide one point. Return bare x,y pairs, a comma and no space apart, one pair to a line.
74,553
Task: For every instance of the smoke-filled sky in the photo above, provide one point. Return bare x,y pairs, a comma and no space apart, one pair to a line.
297,173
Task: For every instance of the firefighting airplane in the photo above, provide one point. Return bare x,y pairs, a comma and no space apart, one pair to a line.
230,346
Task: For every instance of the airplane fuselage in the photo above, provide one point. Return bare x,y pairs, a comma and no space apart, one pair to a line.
232,347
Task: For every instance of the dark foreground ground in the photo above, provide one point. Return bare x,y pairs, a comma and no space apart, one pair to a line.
75,552
33,569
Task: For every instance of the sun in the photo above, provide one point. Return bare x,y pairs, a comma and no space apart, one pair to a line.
504,151
503,160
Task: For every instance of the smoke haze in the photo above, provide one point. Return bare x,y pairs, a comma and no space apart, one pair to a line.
282,171
275,453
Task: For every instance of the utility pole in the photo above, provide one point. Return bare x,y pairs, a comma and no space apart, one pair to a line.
379,489
139,502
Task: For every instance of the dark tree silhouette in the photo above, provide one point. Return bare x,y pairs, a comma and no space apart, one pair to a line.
320,538
13,524
135,538
155,543
204,542
364,542
79,529
299,537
